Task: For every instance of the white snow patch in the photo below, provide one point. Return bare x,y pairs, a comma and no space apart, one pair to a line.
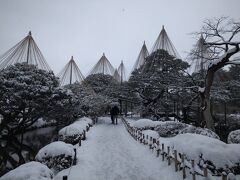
55,149
151,133
145,123
72,129
29,171
88,120
194,145
234,137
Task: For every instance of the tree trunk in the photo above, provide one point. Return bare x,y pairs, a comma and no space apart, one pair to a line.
208,115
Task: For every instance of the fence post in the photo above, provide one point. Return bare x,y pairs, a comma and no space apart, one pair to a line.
224,176
193,170
162,152
205,171
84,135
150,143
168,155
183,164
176,160
147,140
75,157
65,177
158,149
80,140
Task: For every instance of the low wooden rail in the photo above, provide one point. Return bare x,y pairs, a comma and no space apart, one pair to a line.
181,163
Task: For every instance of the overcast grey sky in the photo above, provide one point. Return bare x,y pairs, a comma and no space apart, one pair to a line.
87,28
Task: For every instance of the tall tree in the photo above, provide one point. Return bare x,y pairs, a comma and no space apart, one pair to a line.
220,36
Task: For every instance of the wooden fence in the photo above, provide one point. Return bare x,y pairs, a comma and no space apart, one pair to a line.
171,156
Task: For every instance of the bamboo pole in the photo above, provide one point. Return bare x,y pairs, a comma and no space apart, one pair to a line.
168,155
183,168
193,170
175,160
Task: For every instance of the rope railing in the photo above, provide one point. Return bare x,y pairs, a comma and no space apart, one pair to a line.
172,156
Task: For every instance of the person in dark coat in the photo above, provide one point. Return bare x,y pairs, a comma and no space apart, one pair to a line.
114,114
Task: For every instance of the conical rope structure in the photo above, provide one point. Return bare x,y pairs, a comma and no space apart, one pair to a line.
24,51
163,42
116,76
122,72
70,73
141,57
201,56
103,66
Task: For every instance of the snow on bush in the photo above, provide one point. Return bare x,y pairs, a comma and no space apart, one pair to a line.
218,155
29,171
198,130
72,133
57,155
234,137
151,133
84,122
145,124
88,120
170,128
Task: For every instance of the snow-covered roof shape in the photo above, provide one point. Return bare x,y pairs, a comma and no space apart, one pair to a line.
103,66
141,57
201,56
24,51
122,72
163,42
70,73
116,76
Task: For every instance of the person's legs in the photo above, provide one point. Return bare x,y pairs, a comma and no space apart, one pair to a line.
112,118
116,119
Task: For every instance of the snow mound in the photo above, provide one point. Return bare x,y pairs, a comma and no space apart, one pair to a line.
55,149
234,137
170,128
29,171
57,155
204,149
145,124
88,120
82,123
72,129
198,130
151,133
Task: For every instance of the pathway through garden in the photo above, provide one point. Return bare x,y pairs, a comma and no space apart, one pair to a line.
110,153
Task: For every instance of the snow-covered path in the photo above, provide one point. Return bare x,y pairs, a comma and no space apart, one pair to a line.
110,153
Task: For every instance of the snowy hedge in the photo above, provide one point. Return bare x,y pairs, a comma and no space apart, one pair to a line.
71,134
57,155
198,130
144,124
29,171
88,120
218,155
170,128
234,137
151,133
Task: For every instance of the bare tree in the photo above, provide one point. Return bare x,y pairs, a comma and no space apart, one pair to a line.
222,38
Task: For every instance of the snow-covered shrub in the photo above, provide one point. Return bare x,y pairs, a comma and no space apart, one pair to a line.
218,155
72,133
151,133
29,171
57,155
198,130
170,128
88,120
145,124
234,137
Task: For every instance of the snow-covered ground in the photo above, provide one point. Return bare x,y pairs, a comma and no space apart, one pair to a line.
110,153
